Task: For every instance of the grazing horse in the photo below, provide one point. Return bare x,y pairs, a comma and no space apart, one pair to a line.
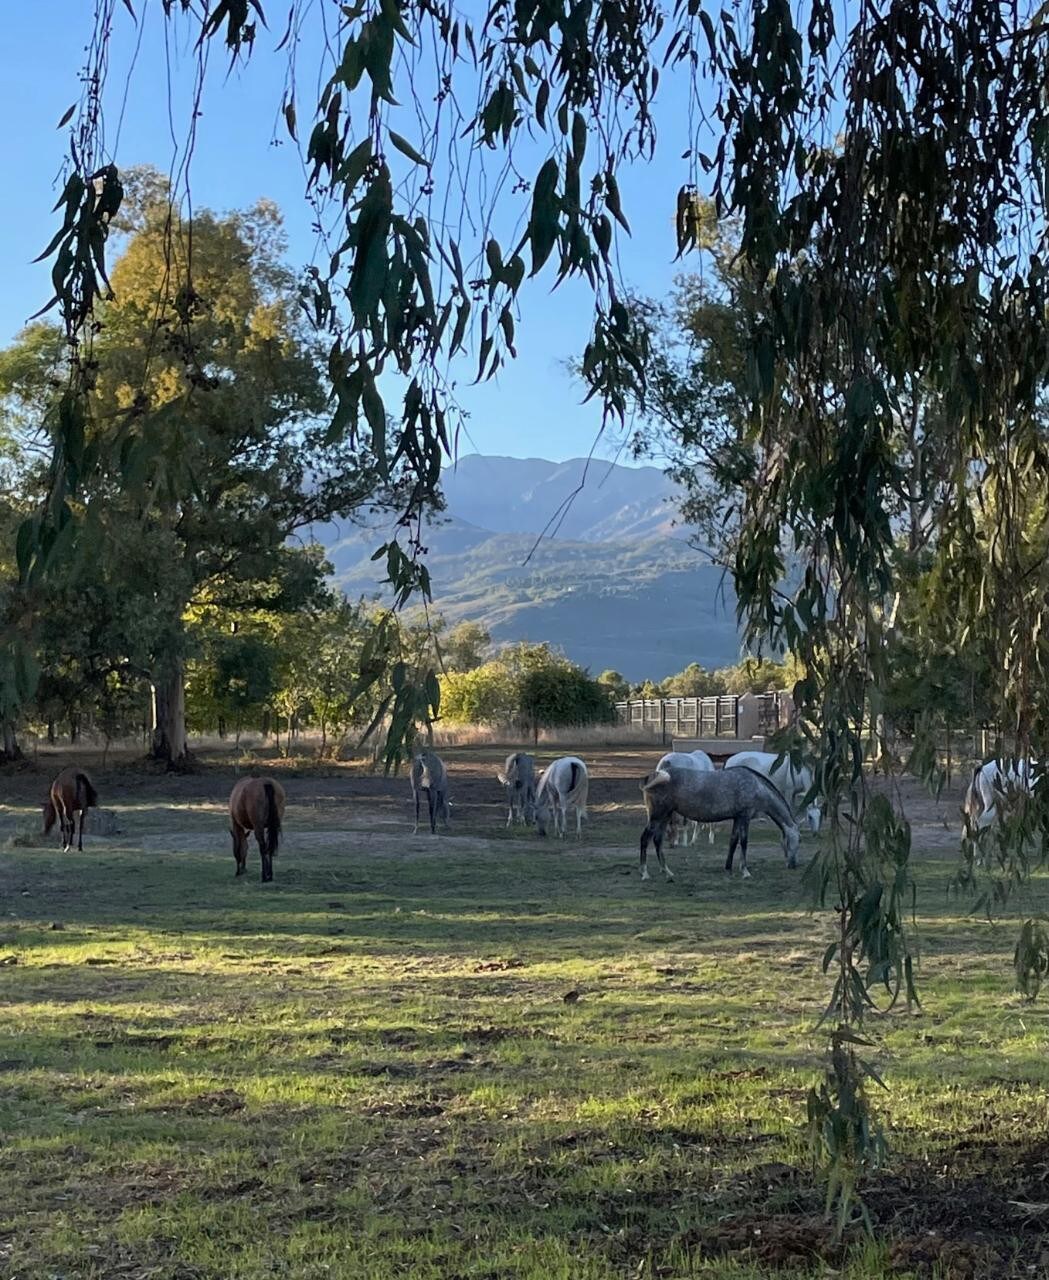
256,804
518,777
991,782
564,782
71,792
687,760
430,775
794,784
740,794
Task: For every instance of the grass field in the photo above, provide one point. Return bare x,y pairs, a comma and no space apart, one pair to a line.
476,1056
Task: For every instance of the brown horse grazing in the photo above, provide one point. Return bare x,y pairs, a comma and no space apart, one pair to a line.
256,804
71,792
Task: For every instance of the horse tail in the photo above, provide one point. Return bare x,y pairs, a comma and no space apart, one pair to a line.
89,793
272,819
50,814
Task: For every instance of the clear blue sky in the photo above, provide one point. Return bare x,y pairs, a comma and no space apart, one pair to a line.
532,410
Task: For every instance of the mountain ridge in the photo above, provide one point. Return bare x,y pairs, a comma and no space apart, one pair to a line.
616,586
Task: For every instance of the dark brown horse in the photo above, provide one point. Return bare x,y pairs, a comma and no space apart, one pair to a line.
71,792
256,804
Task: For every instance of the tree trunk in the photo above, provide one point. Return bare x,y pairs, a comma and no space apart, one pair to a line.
169,745
74,728
51,733
11,750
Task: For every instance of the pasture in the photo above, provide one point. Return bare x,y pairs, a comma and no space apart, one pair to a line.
479,1055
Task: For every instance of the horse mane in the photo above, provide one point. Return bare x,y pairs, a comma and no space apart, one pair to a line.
764,778
775,791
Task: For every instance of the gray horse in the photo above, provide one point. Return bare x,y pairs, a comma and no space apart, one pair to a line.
740,794
518,777
430,775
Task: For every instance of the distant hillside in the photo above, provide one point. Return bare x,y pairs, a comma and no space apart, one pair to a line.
617,586
580,501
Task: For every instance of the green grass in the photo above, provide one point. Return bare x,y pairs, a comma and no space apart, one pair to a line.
368,1069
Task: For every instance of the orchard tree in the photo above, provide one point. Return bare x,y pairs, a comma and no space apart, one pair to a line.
693,682
615,685
465,646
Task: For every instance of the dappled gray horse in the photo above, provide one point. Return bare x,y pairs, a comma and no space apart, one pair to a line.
738,794
430,775
518,777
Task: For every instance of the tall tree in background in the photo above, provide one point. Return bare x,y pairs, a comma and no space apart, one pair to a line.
205,414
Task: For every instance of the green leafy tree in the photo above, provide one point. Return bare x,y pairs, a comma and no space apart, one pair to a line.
465,646
615,685
489,694
243,678
693,682
561,695
238,459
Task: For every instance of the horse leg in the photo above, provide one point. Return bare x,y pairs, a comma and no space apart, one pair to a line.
239,850
733,841
431,805
415,829
80,836
744,833
660,832
265,853
646,835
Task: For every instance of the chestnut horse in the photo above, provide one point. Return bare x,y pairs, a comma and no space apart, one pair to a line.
256,804
71,792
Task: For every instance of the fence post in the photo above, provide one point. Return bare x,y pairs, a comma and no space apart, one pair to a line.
662,723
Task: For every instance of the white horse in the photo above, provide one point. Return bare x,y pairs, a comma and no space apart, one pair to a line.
687,760
564,782
989,784
794,784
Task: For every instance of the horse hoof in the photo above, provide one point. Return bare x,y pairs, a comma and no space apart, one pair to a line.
745,875
644,875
